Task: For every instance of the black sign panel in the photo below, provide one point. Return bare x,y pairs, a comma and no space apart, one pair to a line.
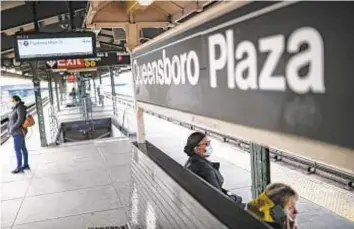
50,46
103,59
113,58
287,67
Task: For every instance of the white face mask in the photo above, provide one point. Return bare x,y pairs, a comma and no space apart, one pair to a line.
209,150
287,212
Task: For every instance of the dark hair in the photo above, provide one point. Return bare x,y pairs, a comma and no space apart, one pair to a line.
193,141
280,193
16,98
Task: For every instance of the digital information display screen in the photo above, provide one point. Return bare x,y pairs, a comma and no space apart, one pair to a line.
55,46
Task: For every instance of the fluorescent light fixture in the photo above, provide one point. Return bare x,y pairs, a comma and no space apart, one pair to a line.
145,2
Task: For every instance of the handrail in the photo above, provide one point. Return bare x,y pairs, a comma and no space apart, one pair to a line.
278,155
31,109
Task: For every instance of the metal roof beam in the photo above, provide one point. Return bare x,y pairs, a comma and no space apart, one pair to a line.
95,6
194,6
5,5
42,23
118,47
22,15
132,6
123,25
105,39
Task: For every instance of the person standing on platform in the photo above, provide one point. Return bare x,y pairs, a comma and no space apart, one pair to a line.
16,120
73,94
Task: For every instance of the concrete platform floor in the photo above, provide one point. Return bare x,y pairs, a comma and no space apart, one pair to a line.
68,187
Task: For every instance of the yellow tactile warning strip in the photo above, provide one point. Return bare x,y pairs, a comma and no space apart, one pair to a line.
326,195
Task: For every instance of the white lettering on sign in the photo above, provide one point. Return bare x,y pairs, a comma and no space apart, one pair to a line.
70,63
51,63
240,62
176,70
244,60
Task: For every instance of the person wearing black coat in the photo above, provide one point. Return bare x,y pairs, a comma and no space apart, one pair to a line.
198,148
16,119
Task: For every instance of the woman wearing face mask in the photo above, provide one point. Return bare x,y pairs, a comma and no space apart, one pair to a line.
16,119
198,148
276,206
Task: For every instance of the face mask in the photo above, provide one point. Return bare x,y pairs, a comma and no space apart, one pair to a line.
292,222
209,150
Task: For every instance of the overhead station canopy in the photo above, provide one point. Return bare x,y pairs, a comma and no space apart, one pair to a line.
136,22
268,72
17,17
53,18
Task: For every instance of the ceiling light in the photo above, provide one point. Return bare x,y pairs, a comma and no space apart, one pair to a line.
145,2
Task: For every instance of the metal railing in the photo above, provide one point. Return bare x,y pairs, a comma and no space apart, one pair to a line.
123,110
31,109
53,123
311,166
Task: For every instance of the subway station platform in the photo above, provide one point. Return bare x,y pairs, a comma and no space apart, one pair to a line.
86,184
262,93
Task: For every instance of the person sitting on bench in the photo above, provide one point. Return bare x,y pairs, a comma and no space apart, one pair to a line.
198,148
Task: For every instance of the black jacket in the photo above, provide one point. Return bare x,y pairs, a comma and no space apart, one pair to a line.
207,170
16,119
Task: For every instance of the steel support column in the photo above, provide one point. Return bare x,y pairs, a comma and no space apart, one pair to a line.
260,168
61,90
57,93
94,89
113,89
50,88
39,107
133,40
